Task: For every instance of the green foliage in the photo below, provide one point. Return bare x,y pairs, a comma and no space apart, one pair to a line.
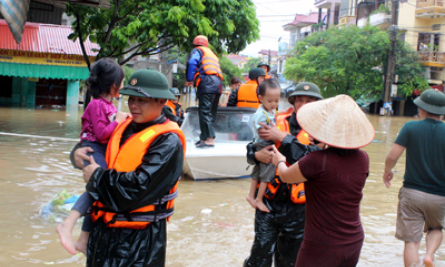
382,9
179,77
351,60
128,72
147,27
229,70
251,63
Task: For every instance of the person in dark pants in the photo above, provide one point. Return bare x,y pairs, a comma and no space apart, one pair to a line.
204,72
334,179
279,234
135,193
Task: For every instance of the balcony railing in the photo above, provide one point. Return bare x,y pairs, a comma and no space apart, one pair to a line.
430,8
433,59
429,3
346,20
381,20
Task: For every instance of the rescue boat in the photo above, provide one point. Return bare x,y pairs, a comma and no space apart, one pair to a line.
227,159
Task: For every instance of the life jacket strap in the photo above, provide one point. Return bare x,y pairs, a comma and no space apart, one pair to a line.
167,198
160,201
151,216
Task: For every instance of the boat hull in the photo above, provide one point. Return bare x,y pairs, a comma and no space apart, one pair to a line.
227,159
224,161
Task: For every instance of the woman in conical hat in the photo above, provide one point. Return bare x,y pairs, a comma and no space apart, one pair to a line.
334,179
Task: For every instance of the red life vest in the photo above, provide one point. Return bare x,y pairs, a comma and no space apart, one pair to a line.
247,95
209,65
127,158
297,194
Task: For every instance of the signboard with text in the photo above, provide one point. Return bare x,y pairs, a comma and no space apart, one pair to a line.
25,57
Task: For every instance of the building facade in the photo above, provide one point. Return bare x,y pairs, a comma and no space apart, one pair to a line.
45,69
298,30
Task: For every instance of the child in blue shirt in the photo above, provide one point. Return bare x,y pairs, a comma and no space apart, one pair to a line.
269,95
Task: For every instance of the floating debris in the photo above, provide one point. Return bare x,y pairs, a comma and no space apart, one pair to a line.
206,211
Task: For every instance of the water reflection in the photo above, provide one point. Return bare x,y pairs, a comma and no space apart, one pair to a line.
213,224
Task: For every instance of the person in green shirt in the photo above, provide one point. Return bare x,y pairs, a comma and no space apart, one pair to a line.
422,196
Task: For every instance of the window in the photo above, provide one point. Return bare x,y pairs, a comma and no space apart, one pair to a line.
5,86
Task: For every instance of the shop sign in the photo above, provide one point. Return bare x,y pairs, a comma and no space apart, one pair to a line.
25,57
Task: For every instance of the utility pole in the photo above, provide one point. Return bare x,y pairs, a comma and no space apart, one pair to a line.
269,58
391,58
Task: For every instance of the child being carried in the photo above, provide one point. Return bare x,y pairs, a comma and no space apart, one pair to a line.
269,95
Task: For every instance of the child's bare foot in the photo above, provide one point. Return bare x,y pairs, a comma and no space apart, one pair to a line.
66,239
428,262
261,206
81,246
251,201
82,243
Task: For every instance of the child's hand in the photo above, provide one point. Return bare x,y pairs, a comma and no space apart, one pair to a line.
277,157
121,116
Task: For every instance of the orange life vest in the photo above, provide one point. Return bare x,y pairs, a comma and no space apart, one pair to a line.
209,65
127,158
297,193
283,125
247,95
172,106
180,112
268,76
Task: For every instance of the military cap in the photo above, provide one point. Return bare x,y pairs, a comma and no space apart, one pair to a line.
306,89
432,101
148,83
175,91
255,72
264,64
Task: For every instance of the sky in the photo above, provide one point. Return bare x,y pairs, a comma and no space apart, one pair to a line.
273,14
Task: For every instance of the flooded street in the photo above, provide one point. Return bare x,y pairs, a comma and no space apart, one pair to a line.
213,223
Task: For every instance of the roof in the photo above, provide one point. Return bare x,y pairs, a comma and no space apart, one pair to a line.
305,20
235,59
266,52
45,38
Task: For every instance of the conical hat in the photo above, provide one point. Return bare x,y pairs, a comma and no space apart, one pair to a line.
337,121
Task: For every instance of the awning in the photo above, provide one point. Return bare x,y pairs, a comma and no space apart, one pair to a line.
44,71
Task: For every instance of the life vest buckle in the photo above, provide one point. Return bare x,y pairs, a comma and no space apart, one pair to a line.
156,217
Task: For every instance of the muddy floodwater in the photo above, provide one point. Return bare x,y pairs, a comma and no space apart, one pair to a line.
213,223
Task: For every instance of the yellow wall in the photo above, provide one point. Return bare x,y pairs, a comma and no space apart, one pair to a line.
414,25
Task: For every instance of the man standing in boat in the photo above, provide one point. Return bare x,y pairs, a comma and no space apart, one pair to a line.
279,233
135,195
246,95
204,72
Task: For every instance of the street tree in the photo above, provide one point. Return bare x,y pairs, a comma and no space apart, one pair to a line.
148,27
351,60
252,62
229,70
